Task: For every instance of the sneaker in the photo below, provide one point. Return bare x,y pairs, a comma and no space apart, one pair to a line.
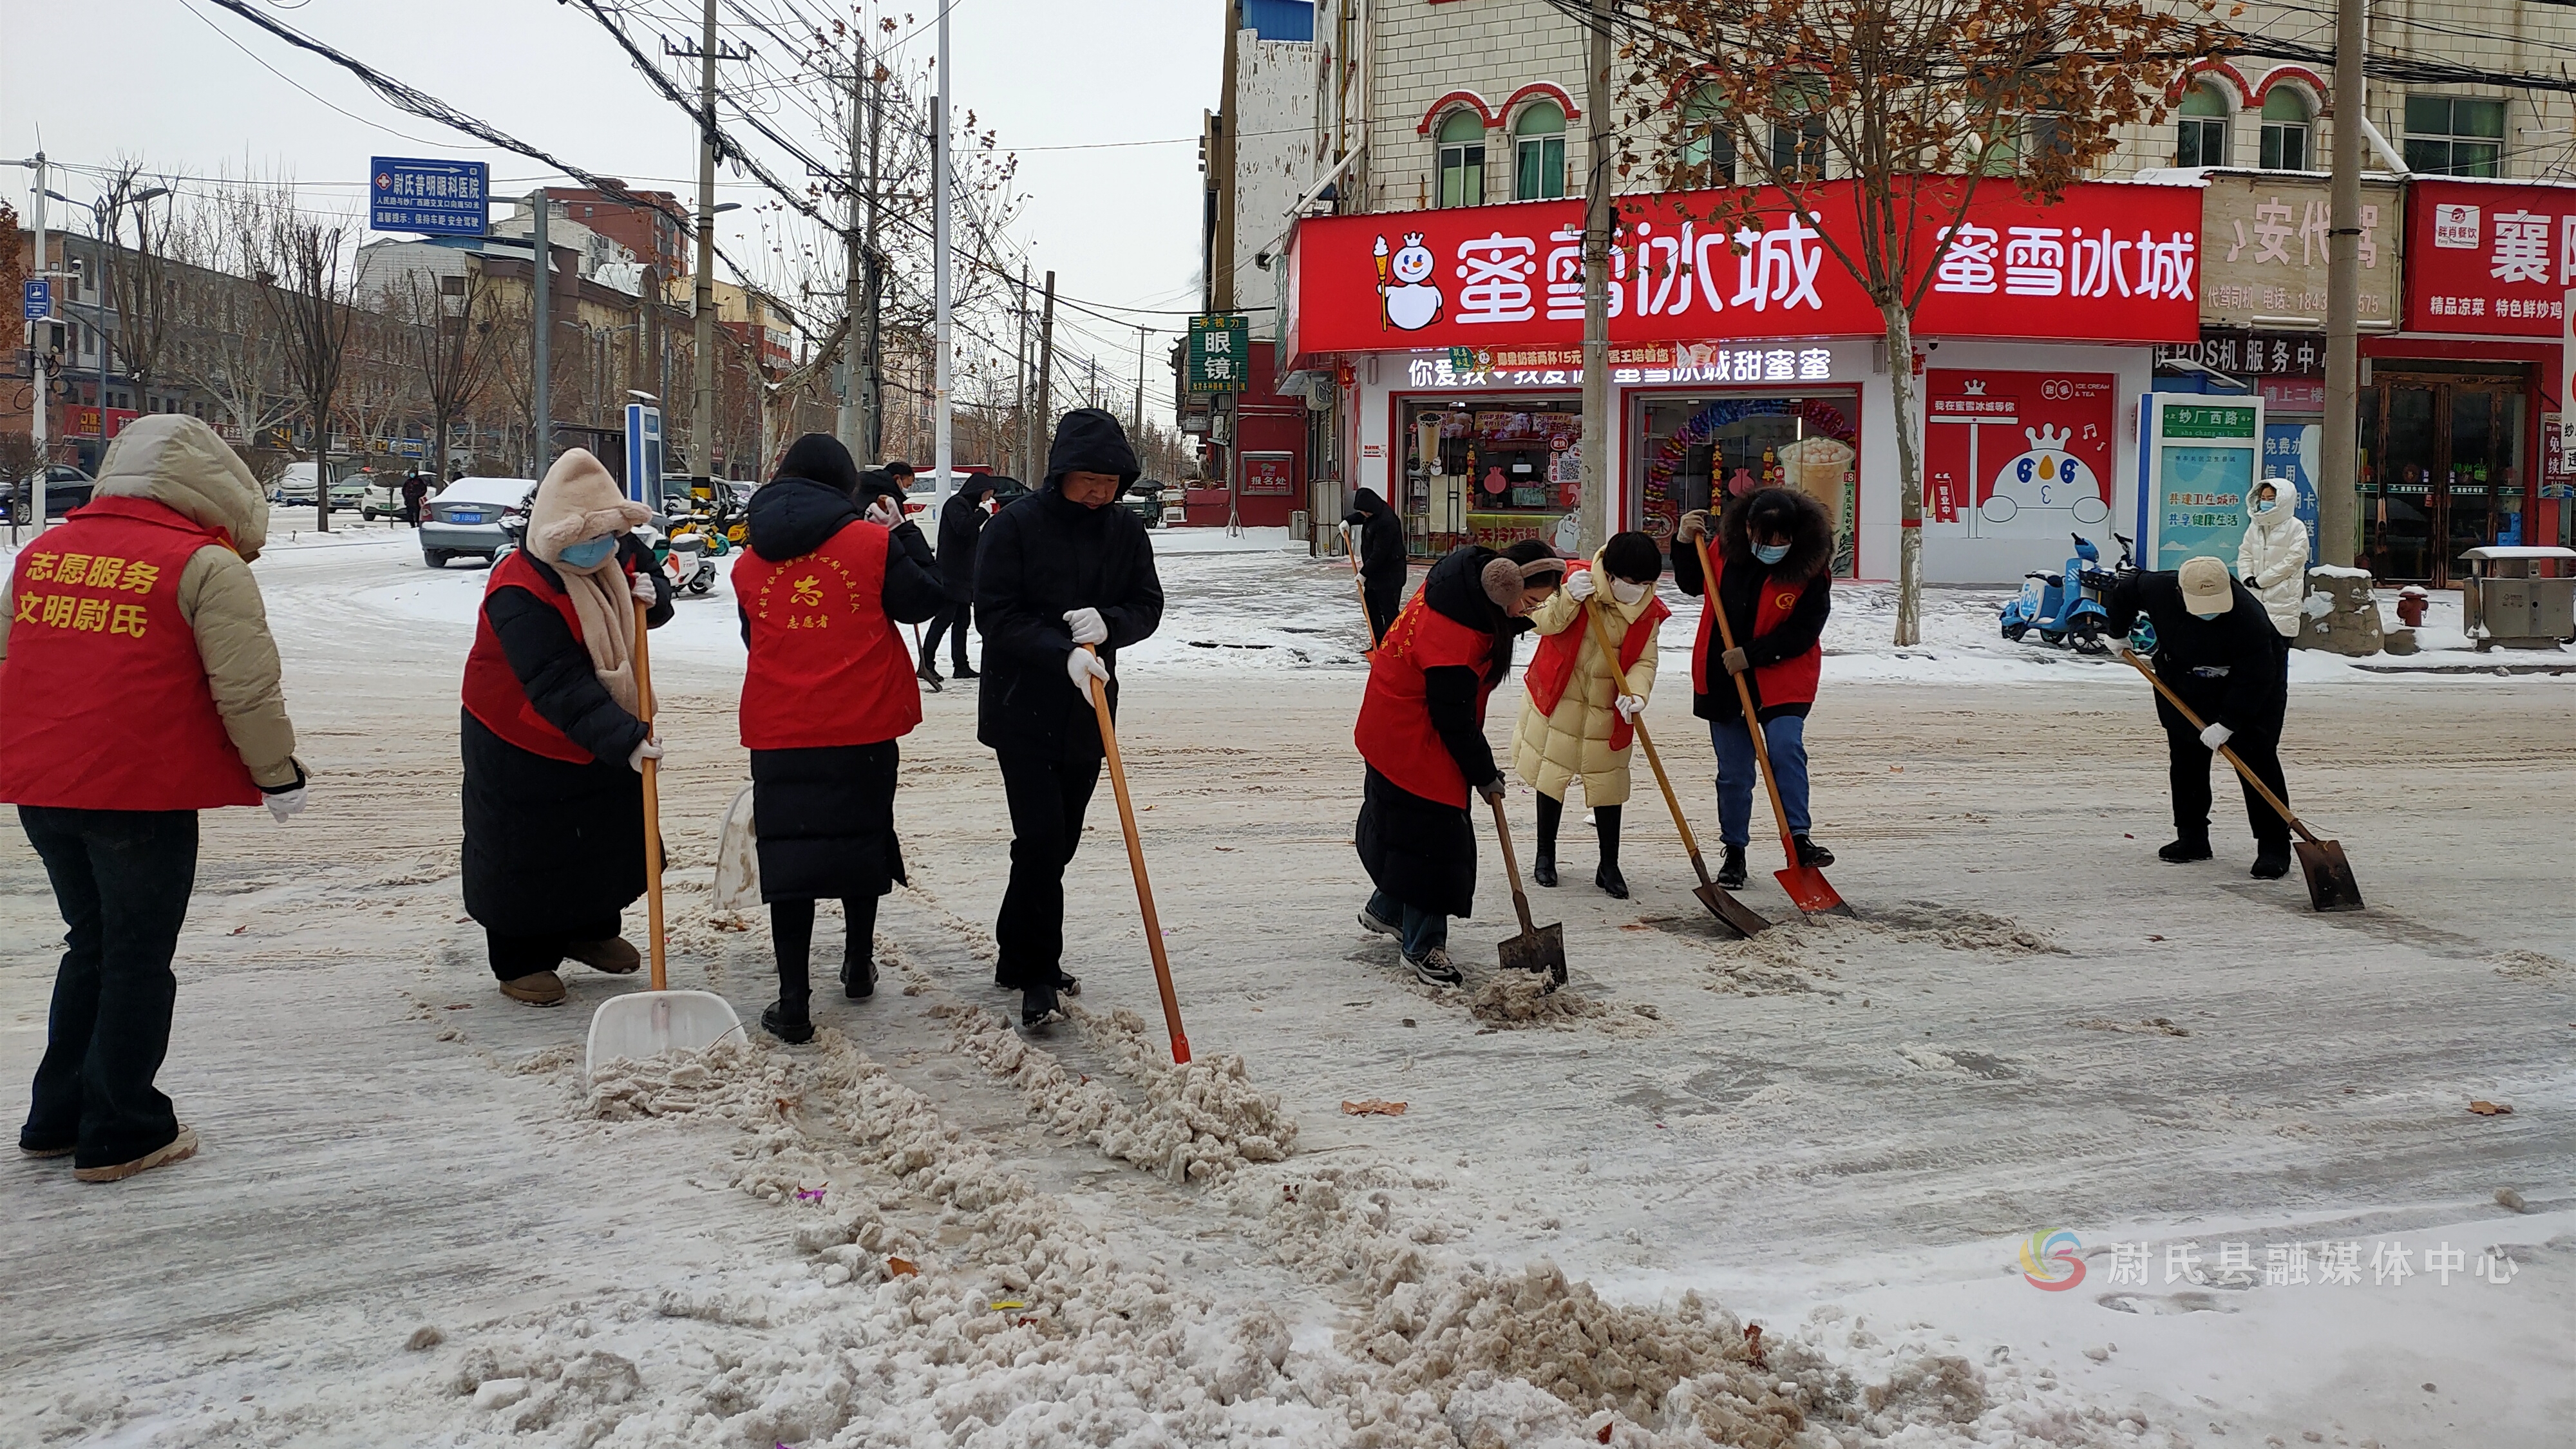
1610,880
1543,869
792,1027
1435,968
858,979
2271,863
613,956
537,988
1730,869
2183,852
1810,854
177,1149
1039,1008
1371,922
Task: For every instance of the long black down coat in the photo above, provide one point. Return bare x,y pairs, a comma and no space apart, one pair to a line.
555,849
825,815
961,523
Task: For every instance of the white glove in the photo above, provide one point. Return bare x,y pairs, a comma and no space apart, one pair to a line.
2216,735
1578,585
2120,648
642,588
284,803
1082,666
884,511
1087,626
1629,706
651,749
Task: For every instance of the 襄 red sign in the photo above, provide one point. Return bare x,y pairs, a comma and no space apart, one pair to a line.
2491,258
2110,262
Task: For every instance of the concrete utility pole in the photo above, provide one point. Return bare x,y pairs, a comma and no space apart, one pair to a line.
852,424
1045,420
1028,419
1139,428
702,298
2339,486
540,339
943,446
44,381
1595,505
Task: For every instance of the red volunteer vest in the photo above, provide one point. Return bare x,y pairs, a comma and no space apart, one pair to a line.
827,667
493,693
104,703
1552,666
1791,681
1394,732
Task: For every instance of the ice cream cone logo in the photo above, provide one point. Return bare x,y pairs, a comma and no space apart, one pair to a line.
2049,1261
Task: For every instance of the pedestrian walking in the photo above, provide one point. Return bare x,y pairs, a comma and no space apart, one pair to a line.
1421,732
553,748
825,698
1061,570
1382,566
961,525
415,494
1575,725
1773,549
2219,650
2273,562
138,686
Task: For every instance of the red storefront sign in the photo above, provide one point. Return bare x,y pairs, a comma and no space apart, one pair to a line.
2490,258
2110,262
83,421
1269,475
2017,454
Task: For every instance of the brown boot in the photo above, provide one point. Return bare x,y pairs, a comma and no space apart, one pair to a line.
541,988
177,1149
613,956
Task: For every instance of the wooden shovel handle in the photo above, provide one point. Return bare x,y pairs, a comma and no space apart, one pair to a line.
2260,788
1512,867
1744,696
1136,866
652,807
1619,677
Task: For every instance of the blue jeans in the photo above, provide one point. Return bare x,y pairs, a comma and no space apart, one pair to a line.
1423,930
1736,782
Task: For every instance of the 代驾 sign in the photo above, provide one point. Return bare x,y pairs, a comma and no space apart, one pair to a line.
443,198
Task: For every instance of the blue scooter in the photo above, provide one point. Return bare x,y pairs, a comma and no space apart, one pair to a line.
2067,604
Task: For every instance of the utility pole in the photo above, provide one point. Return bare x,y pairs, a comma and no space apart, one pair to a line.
851,424
1139,429
541,336
702,297
43,374
2339,486
1091,393
1028,427
1045,419
1595,504
943,446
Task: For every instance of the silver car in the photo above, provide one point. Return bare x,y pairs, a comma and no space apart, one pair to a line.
466,518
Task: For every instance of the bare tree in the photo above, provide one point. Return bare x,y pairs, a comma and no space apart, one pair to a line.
1915,105
308,299
449,326
225,340
139,279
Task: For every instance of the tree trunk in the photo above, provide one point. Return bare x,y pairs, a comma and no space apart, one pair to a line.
1909,476
322,466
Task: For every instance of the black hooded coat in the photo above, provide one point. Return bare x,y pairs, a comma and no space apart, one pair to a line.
1381,542
961,524
1811,550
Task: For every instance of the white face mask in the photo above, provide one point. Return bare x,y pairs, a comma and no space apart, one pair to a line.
1626,592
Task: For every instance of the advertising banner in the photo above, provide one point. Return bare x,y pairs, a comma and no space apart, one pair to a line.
2200,456
2266,251
2490,258
1219,353
2017,454
2108,263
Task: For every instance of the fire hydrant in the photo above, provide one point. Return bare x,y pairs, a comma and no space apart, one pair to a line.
2410,605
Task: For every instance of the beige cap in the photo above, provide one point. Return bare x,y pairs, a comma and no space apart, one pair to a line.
2206,588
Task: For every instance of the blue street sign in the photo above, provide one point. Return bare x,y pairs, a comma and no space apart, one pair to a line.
40,299
644,454
448,198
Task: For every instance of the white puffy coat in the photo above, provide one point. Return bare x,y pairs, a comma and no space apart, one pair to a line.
1551,751
2273,562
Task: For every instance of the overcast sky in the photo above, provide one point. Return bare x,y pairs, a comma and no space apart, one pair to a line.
180,84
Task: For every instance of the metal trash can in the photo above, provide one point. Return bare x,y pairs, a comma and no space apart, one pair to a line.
2510,602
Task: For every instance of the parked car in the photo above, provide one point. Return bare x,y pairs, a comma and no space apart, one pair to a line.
64,488
1008,490
295,486
382,499
349,495
466,519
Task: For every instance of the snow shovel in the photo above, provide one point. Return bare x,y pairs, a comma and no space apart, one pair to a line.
2331,886
651,1023
1536,948
1743,919
1807,887
1360,587
1136,863
738,858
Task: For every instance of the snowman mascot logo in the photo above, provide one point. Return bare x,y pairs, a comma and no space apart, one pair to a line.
2049,477
1408,301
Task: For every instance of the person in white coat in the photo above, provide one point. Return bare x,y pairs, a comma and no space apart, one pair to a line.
2273,562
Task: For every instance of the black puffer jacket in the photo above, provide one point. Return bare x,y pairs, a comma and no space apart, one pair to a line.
961,524
1806,568
1381,541
2227,669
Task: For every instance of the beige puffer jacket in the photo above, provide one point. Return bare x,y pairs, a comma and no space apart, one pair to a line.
178,462
1550,751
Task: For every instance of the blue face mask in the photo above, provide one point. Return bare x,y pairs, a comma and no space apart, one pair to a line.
590,552
1770,553
2205,618
2263,505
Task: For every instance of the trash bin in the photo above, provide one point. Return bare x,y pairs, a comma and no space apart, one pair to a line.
2511,602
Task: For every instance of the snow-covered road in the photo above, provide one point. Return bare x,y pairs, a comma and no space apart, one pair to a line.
415,1223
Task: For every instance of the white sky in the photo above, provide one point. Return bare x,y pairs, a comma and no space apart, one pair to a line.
94,80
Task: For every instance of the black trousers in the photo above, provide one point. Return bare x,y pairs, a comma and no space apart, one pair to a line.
960,616
1382,606
516,956
1047,797
122,879
791,938
2191,761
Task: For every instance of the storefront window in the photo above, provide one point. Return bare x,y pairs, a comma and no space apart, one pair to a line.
1493,470
2447,474
1699,452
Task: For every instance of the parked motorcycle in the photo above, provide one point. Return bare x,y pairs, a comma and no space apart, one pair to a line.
682,558
2067,604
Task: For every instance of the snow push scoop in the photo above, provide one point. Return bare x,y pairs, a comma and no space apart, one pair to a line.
2331,886
1807,887
1537,948
1136,863
653,1023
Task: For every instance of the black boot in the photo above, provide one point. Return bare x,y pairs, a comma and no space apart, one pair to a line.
1810,854
1730,868
787,1021
859,948
928,673
1551,813
1039,1008
2271,860
2184,850
791,938
1605,821
958,668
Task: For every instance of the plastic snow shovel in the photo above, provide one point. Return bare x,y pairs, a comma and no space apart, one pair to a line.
738,858
1536,948
1744,920
652,1023
2331,886
1136,864
1807,887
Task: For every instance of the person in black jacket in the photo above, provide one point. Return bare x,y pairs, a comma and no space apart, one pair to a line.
2217,649
1382,567
961,523
1061,569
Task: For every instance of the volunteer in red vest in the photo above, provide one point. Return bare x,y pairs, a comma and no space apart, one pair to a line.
138,686
829,690
1575,724
1773,552
553,742
1422,732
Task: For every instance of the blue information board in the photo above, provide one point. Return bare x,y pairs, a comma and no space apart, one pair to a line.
644,454
447,198
40,299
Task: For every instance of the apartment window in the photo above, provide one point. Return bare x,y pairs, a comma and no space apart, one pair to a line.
1798,139
2454,136
1708,142
2285,131
1462,159
1538,152
2200,134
